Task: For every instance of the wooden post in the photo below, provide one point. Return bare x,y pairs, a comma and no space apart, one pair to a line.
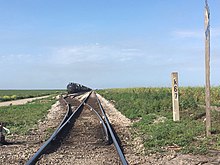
175,96
207,69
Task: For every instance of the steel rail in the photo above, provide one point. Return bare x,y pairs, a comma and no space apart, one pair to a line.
56,133
101,121
69,112
117,146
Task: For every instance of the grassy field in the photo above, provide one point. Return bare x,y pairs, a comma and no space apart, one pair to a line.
21,118
7,95
151,108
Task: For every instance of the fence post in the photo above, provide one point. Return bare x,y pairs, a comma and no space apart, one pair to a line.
175,96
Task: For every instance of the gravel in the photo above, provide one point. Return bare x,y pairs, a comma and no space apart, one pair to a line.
85,144
23,147
73,152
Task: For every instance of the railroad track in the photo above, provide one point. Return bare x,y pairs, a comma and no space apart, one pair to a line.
85,136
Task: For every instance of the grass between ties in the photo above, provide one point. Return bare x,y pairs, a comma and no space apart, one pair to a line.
151,111
20,119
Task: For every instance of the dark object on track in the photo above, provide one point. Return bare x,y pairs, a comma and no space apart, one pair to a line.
2,136
75,88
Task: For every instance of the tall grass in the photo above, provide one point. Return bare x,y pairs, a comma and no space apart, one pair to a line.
21,118
153,108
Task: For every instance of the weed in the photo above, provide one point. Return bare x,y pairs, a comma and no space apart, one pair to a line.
153,106
21,118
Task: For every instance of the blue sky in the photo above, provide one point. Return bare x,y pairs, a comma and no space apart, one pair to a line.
105,44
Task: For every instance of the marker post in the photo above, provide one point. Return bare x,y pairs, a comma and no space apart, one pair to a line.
175,96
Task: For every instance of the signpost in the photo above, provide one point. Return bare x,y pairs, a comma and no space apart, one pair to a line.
175,96
207,69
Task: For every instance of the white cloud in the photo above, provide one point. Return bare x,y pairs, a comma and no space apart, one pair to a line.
188,33
199,33
93,53
16,58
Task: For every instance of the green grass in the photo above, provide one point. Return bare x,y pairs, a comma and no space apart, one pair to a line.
7,95
153,108
21,118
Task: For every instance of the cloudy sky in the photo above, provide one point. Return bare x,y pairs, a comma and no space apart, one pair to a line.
105,44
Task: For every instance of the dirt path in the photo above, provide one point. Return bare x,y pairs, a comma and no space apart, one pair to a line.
21,101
